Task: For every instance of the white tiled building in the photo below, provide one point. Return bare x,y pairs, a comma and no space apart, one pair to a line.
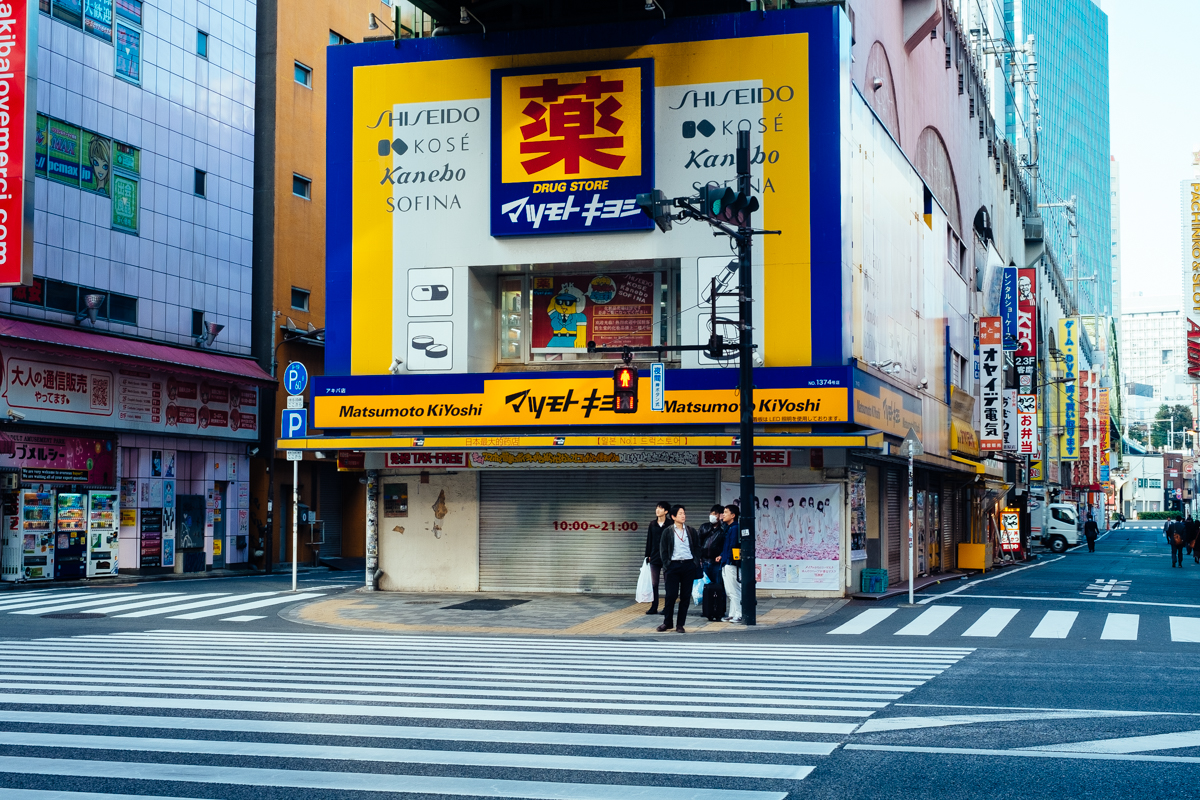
130,349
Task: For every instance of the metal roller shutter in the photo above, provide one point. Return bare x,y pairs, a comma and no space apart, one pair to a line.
893,527
520,548
331,511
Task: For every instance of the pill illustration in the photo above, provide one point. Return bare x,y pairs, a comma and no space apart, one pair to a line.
431,292
437,351
421,342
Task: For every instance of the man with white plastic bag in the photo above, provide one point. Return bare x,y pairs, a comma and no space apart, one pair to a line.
645,585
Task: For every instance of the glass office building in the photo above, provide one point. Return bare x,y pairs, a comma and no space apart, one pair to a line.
1071,37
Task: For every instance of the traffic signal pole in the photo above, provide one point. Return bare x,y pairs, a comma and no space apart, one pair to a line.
729,213
746,388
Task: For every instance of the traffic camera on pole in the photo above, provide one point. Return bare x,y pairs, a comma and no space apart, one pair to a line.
625,390
656,206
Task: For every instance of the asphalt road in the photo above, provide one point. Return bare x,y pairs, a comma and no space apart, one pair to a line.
1074,676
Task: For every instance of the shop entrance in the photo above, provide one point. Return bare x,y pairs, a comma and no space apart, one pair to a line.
578,530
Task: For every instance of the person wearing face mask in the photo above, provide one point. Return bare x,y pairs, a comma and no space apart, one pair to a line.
653,553
680,548
712,542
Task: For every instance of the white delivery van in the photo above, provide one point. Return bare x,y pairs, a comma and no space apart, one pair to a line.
1063,529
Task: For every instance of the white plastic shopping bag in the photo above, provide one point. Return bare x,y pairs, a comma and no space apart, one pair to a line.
645,585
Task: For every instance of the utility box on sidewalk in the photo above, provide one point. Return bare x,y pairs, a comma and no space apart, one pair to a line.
973,556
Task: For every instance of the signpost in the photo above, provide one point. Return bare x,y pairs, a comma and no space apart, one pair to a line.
295,425
910,447
657,381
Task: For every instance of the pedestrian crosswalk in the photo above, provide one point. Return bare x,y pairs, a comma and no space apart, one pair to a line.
137,604
978,622
149,712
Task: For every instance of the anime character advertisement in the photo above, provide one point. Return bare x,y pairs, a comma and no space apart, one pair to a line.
798,534
610,310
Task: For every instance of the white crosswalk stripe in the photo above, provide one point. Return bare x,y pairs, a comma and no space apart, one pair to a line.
563,719
935,621
135,605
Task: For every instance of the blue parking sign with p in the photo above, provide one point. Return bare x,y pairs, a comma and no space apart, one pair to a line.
295,423
295,378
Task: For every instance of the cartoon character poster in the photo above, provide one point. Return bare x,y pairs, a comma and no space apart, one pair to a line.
610,310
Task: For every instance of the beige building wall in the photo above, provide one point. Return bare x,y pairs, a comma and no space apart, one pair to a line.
435,548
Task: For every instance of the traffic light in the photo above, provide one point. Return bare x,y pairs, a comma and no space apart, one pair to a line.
724,204
656,206
625,390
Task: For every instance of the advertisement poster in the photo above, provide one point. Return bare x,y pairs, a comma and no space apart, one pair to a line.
61,459
1008,310
125,202
151,537
1068,411
129,53
63,152
798,536
858,515
611,310
96,163
98,18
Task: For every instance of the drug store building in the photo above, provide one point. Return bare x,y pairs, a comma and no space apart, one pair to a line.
504,235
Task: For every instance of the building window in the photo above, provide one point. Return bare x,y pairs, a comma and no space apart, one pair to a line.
1166,356
336,38
201,183
202,44
197,322
301,186
300,299
68,298
303,75
129,53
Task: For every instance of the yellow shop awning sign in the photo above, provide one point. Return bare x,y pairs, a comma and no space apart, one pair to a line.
572,401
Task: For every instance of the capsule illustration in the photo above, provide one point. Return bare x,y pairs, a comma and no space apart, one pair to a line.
434,291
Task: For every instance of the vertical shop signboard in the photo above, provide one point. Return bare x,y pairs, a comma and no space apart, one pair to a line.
1009,317
150,531
1104,440
1068,399
1025,357
1009,433
18,87
991,382
1026,424
1010,530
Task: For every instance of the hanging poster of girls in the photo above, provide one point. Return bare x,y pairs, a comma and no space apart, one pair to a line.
798,534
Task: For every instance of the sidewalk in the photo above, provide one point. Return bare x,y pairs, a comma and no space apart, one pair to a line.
531,614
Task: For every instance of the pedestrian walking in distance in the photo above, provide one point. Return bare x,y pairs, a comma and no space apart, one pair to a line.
653,548
1191,529
731,566
1177,536
1091,531
712,542
680,549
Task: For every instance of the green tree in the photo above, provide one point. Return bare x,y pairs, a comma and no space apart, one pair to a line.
1168,418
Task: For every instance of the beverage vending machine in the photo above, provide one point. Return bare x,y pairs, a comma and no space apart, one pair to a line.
70,549
102,534
36,519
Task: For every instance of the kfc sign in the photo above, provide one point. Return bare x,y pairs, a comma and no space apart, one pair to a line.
18,27
571,150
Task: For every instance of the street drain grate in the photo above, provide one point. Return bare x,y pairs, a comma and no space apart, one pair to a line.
485,604
422,602
80,615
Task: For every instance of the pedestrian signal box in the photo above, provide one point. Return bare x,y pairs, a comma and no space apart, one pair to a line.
625,390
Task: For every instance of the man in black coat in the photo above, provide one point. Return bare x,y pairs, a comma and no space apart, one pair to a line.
1091,530
1177,537
712,542
680,549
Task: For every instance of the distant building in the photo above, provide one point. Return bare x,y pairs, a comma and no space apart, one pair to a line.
1071,40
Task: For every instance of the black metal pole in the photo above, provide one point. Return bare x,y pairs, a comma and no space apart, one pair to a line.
746,385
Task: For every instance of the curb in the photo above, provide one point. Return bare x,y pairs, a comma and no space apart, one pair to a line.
115,580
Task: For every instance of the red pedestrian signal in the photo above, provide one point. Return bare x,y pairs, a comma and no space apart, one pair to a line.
625,389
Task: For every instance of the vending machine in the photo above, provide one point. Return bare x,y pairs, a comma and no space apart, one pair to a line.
102,534
70,548
37,534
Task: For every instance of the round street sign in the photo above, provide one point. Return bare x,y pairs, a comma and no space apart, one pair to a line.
295,378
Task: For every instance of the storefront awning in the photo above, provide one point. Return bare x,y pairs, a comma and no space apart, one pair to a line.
864,439
113,349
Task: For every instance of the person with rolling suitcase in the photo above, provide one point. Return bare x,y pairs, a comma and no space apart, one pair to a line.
712,542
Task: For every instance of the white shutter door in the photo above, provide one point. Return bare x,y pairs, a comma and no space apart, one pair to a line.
531,535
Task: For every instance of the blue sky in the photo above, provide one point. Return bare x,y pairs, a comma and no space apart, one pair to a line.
1154,70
